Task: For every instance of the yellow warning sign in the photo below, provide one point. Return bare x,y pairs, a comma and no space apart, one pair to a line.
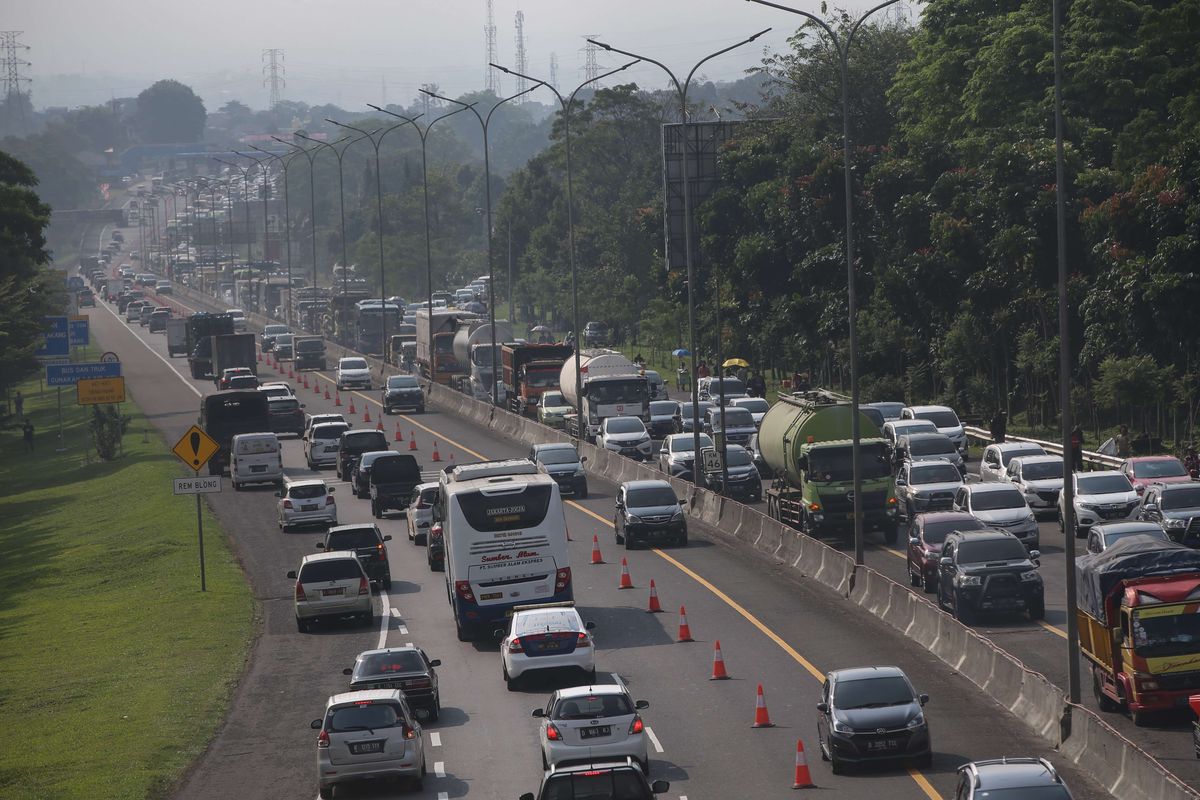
100,391
195,448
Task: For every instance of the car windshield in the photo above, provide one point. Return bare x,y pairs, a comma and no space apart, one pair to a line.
914,426
733,418
365,717
755,405
650,497
329,431
997,500
274,329
663,408
395,468
939,473
283,405
685,444
942,419
243,382
732,386
872,693
595,784
1042,470
1049,792
402,382
553,400
685,409
1032,450
352,539
834,463
1156,633
1165,468
936,532
592,707
389,662
559,455
624,425
1103,484
353,363
930,445
542,379
737,458
333,569
1185,497
1006,549
1111,537
307,491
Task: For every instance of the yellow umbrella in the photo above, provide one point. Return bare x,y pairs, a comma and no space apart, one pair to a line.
736,362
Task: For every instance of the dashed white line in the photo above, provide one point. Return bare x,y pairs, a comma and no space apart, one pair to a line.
439,768
395,612
383,621
403,630
435,739
443,796
654,739
406,644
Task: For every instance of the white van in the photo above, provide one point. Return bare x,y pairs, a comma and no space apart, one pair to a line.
256,458
506,542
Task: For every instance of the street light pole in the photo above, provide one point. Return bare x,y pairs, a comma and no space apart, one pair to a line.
312,224
245,201
341,195
843,50
487,204
566,111
260,163
284,163
424,134
681,89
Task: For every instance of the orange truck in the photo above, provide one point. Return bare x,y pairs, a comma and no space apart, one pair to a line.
1139,625
528,370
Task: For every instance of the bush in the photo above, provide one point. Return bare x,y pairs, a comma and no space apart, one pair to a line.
107,426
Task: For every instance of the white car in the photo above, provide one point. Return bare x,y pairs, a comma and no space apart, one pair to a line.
590,723
993,468
353,373
944,418
321,443
1099,496
277,389
757,407
420,512
1040,479
625,435
331,585
547,636
368,735
239,319
1000,506
306,502
321,419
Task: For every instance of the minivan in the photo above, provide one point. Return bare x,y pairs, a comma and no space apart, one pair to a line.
256,458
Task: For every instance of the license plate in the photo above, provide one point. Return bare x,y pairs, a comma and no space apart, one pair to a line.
362,748
308,508
882,744
550,646
596,732
332,592
258,468
491,596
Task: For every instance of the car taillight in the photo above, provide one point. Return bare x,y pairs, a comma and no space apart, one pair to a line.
637,726
323,739
463,590
379,547
409,733
287,504
552,733
891,501
420,683
814,507
300,595
364,586
562,580
515,646
328,499
583,641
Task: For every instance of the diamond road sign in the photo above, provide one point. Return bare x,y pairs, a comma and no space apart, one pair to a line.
68,374
195,447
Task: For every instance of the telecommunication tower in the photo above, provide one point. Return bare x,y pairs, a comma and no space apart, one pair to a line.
11,67
554,70
273,74
493,52
591,67
522,64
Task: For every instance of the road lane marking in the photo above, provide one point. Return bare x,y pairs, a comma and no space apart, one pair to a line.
396,612
654,739
403,630
435,739
406,644
443,796
383,621
144,343
1053,629
439,768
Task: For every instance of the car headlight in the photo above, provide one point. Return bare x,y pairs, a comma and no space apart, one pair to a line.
633,519
579,472
967,580
917,721
841,727
1174,524
1089,506
677,515
1031,575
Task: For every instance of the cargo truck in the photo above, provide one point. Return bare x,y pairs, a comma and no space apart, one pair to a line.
232,350
610,385
437,331
200,330
177,338
224,415
529,370
806,443
473,352
308,352
1138,625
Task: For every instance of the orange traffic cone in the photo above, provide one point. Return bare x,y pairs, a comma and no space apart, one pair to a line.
304,381
685,632
338,401
626,581
366,414
803,777
317,388
761,718
718,673
398,437
353,410
379,425
326,392
436,456
596,557
654,607
412,443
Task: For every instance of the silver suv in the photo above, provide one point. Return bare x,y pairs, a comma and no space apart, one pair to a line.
368,735
331,585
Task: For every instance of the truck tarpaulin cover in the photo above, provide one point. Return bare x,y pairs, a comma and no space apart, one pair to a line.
1131,557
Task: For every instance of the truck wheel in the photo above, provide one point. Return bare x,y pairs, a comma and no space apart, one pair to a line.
1140,718
913,578
1037,609
1105,702
891,534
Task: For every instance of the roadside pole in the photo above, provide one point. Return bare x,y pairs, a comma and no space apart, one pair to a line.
200,536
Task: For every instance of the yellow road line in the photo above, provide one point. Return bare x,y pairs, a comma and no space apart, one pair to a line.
925,785
1053,629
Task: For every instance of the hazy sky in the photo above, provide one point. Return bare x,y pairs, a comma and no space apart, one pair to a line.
354,51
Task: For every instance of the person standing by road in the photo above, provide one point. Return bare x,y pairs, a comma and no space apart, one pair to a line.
1077,449
27,433
756,385
702,370
681,376
19,402
1123,443
999,426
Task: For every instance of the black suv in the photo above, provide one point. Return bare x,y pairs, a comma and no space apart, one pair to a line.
1016,777
988,571
561,461
648,511
360,473
285,415
366,542
392,480
405,668
353,444
401,392
621,778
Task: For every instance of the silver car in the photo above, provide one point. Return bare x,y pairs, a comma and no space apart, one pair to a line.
306,502
368,735
627,436
757,406
331,585
1000,506
993,467
1040,479
588,723
321,443
676,455
929,447
927,486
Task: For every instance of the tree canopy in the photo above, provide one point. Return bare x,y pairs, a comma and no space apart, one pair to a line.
169,111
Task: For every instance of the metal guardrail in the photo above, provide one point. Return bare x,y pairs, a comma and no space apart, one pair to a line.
1090,457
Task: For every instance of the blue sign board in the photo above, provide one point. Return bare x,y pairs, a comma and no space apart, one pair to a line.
57,341
77,332
68,374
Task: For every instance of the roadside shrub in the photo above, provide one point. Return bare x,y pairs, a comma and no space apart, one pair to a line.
107,426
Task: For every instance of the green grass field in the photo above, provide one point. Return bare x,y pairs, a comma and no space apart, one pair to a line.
115,670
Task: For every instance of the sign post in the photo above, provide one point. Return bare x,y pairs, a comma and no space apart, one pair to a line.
195,448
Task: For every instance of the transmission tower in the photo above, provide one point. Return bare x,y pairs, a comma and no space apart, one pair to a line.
10,67
493,52
591,67
522,64
554,70
273,74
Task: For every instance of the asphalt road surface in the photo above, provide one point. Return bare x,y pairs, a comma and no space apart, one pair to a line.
775,629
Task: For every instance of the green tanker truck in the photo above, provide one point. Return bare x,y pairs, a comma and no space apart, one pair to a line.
806,442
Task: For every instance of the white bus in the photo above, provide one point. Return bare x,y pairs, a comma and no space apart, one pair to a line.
506,542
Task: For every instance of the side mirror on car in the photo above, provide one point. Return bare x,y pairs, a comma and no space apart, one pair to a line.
387,537
279,494
1150,507
332,489
923,699
315,724
658,787
320,545
1034,555
946,562
582,459
823,708
527,796
437,662
640,704
498,633
292,574
914,541
591,626
348,671
538,712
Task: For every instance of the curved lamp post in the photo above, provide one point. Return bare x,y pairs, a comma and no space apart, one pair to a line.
309,154
341,192
284,162
245,200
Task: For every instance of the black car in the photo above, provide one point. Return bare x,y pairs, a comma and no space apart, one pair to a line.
662,418
353,444
621,778
648,511
1010,777
285,415
988,571
744,480
683,420
405,668
872,714
392,481
561,461
1176,507
367,542
360,474
403,392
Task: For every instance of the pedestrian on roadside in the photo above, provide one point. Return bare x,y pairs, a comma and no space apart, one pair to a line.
1123,442
702,370
27,433
20,404
681,376
999,426
756,385
1077,449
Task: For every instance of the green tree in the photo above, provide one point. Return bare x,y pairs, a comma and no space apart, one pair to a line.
169,111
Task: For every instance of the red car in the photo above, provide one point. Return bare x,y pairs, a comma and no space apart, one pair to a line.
1145,470
926,533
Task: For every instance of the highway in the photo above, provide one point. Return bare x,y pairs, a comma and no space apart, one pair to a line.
775,628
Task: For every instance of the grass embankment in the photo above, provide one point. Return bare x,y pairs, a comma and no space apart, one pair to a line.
115,669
